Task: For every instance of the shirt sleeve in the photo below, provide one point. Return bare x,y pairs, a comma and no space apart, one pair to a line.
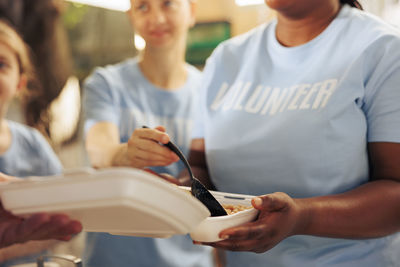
382,98
99,100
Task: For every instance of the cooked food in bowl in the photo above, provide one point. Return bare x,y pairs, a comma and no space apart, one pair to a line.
232,209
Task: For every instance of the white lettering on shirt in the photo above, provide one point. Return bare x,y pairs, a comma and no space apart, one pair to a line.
274,101
243,93
324,93
218,101
263,100
302,90
255,102
305,103
231,99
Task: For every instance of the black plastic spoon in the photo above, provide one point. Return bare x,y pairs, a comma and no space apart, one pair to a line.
198,190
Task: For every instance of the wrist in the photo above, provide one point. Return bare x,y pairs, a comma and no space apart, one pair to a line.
303,218
120,156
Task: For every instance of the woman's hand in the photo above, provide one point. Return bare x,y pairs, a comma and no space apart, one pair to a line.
363,212
278,219
144,148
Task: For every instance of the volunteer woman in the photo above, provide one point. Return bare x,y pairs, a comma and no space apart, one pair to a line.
304,112
156,88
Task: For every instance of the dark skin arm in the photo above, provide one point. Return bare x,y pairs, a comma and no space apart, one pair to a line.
371,210
197,161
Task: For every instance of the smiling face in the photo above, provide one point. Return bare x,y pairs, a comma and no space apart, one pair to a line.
15,65
162,23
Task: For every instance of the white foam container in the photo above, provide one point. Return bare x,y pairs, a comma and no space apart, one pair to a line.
208,230
122,201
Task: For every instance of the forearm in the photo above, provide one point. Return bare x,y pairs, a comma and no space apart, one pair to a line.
372,210
102,156
200,173
198,163
103,146
143,149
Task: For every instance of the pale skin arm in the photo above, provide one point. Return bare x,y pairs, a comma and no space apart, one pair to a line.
143,149
369,211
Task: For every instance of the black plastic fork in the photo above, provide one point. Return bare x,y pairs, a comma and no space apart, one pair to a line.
198,190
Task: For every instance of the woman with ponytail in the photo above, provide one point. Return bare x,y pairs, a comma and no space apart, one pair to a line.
304,113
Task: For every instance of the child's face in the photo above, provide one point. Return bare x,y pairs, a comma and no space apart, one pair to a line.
162,22
10,77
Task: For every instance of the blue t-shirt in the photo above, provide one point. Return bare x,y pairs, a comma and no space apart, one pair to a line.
28,155
298,120
120,94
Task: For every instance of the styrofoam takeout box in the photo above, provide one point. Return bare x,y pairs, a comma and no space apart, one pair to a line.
208,230
122,201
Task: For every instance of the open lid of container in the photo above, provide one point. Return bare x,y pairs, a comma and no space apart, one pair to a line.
121,201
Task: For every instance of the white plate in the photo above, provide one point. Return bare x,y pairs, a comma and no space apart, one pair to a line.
123,201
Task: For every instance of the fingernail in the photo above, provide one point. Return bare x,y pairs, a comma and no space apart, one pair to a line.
225,236
257,201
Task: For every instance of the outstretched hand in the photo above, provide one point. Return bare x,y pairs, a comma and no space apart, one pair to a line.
145,149
278,219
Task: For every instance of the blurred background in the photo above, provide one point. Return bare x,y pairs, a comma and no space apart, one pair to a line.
70,38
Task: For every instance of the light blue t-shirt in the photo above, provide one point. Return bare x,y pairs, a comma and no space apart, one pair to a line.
120,94
298,120
28,155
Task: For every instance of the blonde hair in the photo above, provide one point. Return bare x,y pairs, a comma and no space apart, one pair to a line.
10,37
